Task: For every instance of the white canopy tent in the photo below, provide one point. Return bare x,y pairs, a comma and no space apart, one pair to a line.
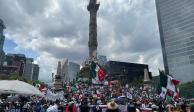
18,87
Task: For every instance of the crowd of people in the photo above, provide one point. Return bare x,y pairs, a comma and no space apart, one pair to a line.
82,97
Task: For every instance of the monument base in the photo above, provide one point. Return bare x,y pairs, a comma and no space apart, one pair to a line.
58,83
85,70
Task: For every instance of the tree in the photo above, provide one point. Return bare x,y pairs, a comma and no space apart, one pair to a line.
4,77
136,82
34,82
186,89
15,76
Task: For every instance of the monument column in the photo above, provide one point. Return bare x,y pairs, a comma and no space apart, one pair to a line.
92,44
92,7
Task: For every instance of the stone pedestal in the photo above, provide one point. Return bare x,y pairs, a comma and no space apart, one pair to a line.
58,83
85,70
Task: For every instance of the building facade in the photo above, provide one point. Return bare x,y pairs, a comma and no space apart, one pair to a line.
36,69
64,69
2,57
2,39
28,70
16,60
126,72
176,27
21,65
73,71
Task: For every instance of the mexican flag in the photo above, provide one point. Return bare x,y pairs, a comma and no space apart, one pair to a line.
168,82
168,85
97,73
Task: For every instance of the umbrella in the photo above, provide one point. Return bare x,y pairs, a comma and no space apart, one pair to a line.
18,87
13,98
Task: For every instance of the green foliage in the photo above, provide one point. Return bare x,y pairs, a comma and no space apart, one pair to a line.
17,77
32,82
138,82
186,89
4,77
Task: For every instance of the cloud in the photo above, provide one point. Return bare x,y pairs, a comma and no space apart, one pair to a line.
49,63
127,30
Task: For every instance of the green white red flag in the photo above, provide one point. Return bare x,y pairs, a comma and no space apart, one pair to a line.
97,73
169,86
168,82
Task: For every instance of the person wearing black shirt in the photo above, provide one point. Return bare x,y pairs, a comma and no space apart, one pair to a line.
84,106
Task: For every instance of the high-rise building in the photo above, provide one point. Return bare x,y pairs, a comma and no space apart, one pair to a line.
2,39
2,57
36,69
64,69
59,68
126,72
176,27
102,60
16,60
73,70
28,69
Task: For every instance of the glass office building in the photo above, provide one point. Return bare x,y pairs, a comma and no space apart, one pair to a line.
176,26
126,72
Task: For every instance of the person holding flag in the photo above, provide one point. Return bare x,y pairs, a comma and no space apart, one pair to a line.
168,85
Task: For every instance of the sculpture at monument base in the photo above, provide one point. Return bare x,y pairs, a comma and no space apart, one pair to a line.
58,83
85,70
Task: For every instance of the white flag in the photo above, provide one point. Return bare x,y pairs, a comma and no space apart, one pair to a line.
163,92
129,95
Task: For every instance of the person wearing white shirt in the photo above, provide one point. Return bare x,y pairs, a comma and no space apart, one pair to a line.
53,108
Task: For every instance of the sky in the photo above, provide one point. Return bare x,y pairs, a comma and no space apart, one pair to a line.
50,30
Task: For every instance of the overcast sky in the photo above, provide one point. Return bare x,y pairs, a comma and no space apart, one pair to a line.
50,30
